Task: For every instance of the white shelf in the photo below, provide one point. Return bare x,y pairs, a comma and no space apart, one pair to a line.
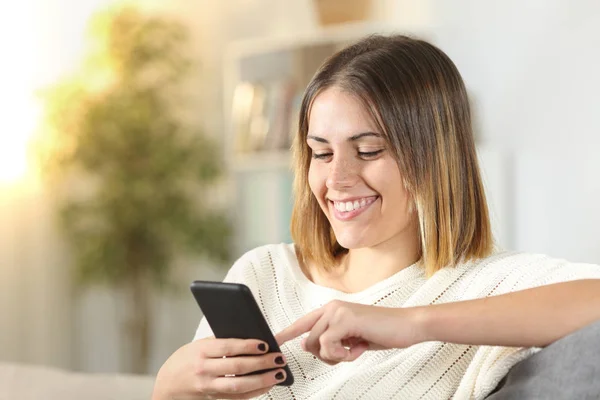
275,56
263,160
335,34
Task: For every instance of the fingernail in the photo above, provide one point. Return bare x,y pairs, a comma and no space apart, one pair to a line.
262,347
279,376
279,361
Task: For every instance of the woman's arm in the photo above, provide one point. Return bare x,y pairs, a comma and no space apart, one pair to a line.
528,318
341,331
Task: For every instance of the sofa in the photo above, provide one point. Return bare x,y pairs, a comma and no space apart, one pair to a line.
27,382
567,369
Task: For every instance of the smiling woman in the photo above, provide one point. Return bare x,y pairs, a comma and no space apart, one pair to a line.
392,251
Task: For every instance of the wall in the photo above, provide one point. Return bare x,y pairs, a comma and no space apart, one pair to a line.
531,66
34,305
42,42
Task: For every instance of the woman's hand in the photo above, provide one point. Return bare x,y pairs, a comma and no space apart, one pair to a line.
203,369
341,331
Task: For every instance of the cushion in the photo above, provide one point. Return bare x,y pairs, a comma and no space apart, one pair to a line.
27,382
567,369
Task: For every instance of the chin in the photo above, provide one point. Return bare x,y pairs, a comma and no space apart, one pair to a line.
350,242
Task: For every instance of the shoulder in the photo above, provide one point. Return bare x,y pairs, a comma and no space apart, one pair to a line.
534,265
260,260
267,254
505,272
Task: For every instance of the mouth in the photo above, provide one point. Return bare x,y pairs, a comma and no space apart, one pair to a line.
350,208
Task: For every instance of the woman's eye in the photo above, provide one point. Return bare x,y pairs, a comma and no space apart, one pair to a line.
369,154
321,156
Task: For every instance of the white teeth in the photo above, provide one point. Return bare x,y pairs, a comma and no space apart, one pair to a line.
351,206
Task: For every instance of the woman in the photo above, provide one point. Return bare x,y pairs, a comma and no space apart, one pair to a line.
393,280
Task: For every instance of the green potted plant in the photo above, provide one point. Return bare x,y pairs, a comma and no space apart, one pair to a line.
142,175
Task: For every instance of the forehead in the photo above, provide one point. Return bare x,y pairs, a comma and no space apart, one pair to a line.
336,112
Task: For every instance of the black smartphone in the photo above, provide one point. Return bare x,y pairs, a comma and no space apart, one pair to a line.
232,313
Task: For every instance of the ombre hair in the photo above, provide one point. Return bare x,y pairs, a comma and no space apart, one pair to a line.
417,98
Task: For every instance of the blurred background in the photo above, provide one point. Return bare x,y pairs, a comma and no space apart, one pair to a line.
145,144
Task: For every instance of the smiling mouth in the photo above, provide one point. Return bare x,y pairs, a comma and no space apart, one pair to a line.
353,205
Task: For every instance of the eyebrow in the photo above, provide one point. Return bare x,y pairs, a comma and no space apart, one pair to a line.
350,139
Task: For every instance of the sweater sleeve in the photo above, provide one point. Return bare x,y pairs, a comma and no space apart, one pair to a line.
513,273
234,275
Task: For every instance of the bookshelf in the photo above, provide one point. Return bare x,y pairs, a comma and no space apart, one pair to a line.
264,80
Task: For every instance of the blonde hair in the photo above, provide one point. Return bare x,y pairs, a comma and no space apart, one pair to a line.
417,97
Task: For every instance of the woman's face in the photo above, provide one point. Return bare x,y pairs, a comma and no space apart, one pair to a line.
354,176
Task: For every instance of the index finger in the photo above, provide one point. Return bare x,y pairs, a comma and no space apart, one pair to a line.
302,325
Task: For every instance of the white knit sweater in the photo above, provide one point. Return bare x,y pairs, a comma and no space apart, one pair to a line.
431,370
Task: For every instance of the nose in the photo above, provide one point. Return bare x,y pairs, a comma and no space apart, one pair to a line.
342,174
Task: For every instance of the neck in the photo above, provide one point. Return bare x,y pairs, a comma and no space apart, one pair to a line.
369,265
361,268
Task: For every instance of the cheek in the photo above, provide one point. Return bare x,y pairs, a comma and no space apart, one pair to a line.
314,182
394,192
403,202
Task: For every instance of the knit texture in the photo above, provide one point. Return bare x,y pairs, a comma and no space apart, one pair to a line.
431,370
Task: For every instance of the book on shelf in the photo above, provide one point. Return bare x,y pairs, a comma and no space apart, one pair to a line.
294,121
249,123
265,115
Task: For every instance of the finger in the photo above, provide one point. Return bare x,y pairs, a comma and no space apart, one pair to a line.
234,347
350,342
356,341
242,365
334,349
331,349
244,384
204,338
312,343
302,325
357,350
353,348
